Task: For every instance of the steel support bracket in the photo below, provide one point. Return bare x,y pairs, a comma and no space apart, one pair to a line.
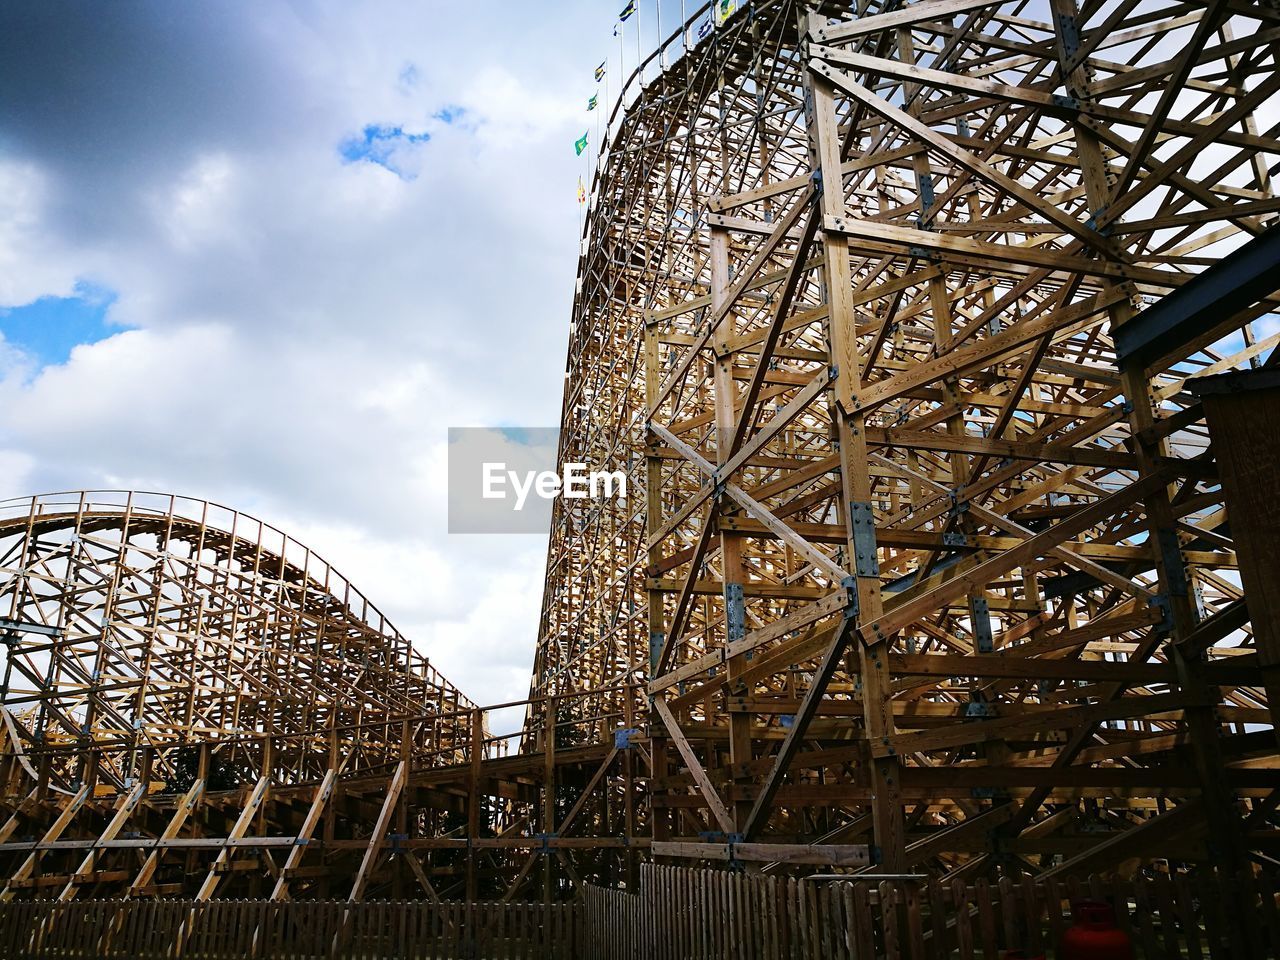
851,602
862,522
735,612
1069,33
1171,554
980,710
656,638
622,738
980,623
1160,602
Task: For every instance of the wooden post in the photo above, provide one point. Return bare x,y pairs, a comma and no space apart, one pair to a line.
476,753
548,791
826,157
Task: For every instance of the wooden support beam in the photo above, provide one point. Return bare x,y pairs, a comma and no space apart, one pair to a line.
183,810
718,809
757,818
821,854
379,835
66,816
123,812
323,794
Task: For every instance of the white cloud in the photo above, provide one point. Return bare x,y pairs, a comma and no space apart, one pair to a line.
194,212
303,329
31,263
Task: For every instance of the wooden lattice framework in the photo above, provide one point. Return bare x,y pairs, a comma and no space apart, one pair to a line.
916,571
190,694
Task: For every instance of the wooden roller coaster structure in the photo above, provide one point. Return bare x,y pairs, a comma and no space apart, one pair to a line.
923,570
898,318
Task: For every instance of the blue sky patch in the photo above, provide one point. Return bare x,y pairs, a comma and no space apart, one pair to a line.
451,113
409,76
530,436
380,144
47,329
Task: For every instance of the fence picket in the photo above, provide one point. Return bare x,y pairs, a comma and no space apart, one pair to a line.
676,913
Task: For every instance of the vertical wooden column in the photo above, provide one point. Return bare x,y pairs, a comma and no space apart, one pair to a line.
328,829
1202,724
628,791
402,814
548,790
473,798
726,394
660,826
872,661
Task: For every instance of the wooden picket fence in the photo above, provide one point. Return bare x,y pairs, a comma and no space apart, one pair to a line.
677,913
689,914
304,930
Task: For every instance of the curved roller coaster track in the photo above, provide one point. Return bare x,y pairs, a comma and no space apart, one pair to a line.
164,654
905,322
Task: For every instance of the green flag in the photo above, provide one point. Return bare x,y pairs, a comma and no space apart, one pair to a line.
580,144
591,104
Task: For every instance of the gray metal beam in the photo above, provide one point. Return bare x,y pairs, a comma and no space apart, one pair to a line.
1235,283
25,626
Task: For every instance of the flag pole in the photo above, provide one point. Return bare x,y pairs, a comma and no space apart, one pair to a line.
662,51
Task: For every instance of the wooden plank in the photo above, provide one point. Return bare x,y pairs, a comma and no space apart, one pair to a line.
844,855
65,817
113,827
718,809
379,834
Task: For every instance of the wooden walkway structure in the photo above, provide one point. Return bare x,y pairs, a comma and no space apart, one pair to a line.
935,561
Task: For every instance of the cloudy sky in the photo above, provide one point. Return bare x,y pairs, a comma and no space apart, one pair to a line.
268,253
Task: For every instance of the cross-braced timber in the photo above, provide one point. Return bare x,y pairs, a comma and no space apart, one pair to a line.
918,570
192,698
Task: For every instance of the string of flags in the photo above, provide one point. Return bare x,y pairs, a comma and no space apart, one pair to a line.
721,11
